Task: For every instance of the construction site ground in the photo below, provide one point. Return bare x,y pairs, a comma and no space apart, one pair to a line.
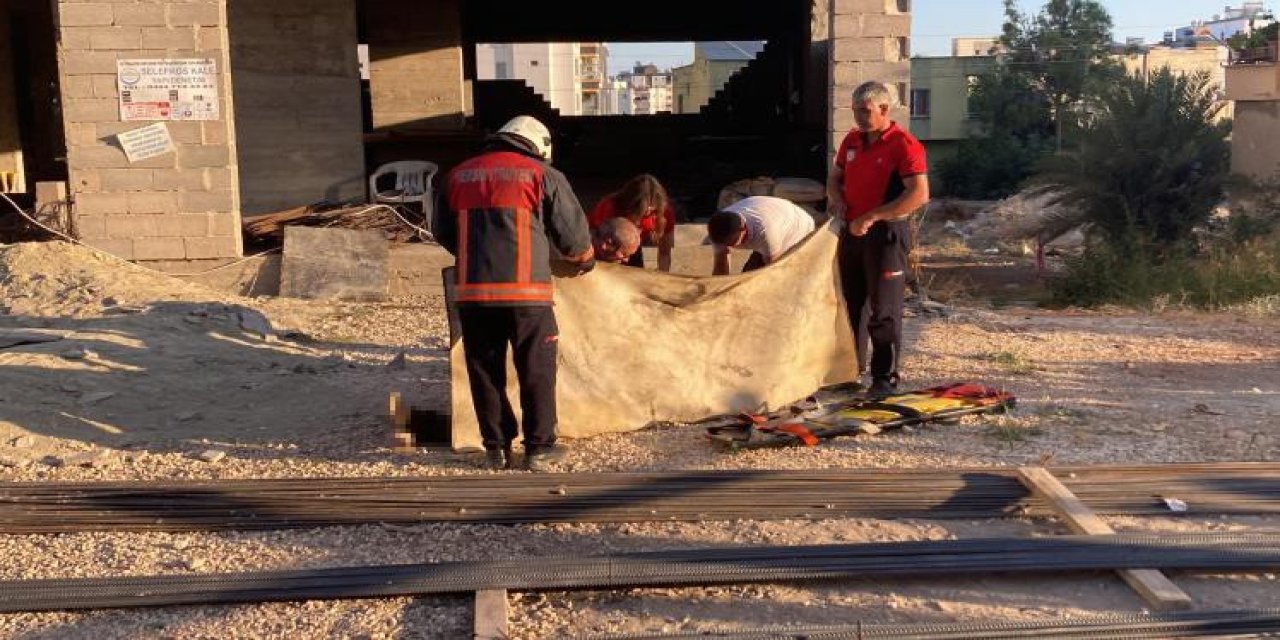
156,379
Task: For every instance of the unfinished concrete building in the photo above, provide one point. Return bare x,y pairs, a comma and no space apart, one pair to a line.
265,107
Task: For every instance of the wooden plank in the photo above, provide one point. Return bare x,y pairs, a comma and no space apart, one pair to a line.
1152,585
491,615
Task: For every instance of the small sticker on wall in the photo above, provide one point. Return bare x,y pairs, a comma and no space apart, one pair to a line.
146,142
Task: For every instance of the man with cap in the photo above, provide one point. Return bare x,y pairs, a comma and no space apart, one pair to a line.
503,214
766,226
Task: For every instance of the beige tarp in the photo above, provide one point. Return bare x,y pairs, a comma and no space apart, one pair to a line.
639,346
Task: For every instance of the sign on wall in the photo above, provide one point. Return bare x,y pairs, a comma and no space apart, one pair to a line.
182,89
147,142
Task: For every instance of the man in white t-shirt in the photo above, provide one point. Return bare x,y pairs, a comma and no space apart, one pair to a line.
765,225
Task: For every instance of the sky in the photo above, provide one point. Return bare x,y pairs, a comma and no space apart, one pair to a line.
935,22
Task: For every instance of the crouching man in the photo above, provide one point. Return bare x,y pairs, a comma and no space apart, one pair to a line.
764,225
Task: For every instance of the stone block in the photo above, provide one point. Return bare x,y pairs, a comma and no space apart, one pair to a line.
334,264
85,14
210,39
206,201
91,226
198,156
153,202
119,247
126,179
76,38
194,14
182,38
88,62
159,249
859,50
101,203
115,38
92,110
77,87
214,133
210,248
149,14
219,179
195,225
223,225
886,25
132,226
186,132
105,86
178,179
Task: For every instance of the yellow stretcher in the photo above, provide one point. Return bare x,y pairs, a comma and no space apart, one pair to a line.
834,412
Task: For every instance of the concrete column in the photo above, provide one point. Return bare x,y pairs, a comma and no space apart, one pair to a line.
870,40
296,79
415,64
179,206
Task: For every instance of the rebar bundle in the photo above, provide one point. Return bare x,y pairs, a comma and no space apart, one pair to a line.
1206,624
1234,488
1210,552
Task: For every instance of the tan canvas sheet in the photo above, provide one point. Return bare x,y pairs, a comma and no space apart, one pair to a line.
639,346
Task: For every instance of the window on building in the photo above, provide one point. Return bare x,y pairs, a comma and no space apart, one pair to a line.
533,63
970,87
920,103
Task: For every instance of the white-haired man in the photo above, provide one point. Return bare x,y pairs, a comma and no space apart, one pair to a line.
879,179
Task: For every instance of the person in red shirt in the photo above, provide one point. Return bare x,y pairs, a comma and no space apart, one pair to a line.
641,200
879,179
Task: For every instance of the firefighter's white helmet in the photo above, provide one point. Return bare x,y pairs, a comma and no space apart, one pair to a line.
530,129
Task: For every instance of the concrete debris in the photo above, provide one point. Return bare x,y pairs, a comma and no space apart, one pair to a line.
92,459
211,455
398,363
13,338
77,352
23,442
255,322
95,398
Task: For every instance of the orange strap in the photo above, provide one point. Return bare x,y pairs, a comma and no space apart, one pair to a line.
800,431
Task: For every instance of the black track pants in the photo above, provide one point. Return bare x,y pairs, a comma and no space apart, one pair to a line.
873,279
532,332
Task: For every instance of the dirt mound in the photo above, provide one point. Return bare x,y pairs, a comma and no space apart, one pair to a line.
46,279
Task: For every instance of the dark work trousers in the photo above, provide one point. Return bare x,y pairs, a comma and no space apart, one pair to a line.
532,332
873,280
756,261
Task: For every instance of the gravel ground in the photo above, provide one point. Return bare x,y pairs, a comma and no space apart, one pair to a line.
158,380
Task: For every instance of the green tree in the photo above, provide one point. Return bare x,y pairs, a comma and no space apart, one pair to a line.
1151,166
1061,51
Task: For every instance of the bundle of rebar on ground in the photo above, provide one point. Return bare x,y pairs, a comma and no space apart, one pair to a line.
1206,624
1208,552
1235,488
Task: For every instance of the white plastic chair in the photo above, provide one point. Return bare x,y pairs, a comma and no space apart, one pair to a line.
413,184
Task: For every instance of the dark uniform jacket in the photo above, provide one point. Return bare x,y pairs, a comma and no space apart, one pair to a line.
502,213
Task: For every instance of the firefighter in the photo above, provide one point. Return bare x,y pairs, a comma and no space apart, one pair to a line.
505,214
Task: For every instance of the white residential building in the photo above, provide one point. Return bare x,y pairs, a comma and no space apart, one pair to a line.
566,74
648,91
1232,21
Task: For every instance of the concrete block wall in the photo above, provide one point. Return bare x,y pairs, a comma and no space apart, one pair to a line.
296,82
870,40
415,64
179,206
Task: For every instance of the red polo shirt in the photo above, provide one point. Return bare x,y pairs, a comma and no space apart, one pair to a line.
874,173
607,208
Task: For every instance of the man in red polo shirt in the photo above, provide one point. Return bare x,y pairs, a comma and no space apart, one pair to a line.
879,179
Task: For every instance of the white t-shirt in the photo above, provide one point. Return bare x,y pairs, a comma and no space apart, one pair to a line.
774,225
